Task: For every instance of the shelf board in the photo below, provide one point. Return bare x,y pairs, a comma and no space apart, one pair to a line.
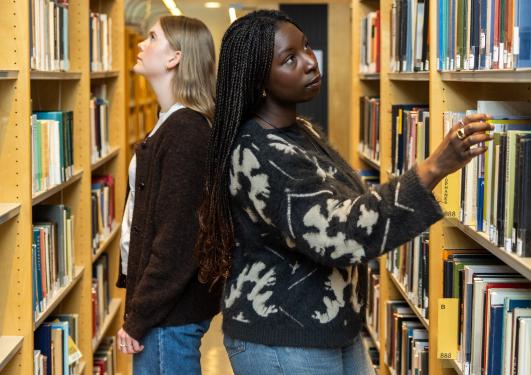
58,297
114,306
104,75
521,265
114,151
415,76
369,76
456,366
8,211
511,76
8,75
43,195
56,76
9,346
404,294
373,335
373,163
103,245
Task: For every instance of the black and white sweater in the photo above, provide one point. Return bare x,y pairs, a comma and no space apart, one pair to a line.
301,222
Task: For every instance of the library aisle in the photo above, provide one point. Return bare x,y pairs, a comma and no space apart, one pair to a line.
454,300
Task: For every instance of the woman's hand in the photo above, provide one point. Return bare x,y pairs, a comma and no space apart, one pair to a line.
127,344
456,149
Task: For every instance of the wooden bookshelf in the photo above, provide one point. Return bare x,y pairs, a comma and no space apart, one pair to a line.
114,307
419,76
375,164
443,91
369,76
520,264
8,211
43,195
106,242
510,76
9,346
8,75
23,91
113,153
411,304
105,75
54,76
58,297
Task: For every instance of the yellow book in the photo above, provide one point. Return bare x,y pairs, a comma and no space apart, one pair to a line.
451,184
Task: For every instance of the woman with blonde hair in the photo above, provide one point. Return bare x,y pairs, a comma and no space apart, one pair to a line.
167,310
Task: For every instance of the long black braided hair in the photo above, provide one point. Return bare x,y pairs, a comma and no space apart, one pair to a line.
244,64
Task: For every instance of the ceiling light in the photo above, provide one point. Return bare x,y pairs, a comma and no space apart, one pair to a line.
212,5
172,7
232,14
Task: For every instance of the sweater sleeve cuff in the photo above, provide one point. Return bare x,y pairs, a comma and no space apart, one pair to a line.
414,195
136,325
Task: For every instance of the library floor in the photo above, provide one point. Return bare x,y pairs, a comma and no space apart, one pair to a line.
214,360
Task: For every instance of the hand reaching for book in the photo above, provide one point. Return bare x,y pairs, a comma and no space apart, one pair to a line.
463,143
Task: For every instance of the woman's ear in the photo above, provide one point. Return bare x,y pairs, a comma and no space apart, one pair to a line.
174,60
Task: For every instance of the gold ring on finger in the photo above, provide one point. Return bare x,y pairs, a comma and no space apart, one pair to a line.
461,133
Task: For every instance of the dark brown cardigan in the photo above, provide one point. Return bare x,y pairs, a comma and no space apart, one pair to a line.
162,284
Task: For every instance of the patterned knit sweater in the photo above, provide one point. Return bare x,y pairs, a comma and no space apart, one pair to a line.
301,222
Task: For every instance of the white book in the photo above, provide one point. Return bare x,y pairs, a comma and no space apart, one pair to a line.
524,347
51,35
508,343
517,313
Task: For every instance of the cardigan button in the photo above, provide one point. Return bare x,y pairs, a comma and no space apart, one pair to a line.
141,186
135,228
144,145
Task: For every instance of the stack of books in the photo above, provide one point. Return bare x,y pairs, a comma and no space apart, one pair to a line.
494,316
410,266
483,34
409,36
100,42
370,43
52,253
406,349
370,127
410,136
103,210
49,45
491,193
52,157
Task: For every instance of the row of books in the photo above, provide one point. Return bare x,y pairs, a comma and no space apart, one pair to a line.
52,149
406,347
491,194
410,136
409,36
101,296
370,43
409,265
370,127
100,42
483,34
55,349
494,316
105,357
49,50
103,209
99,125
52,252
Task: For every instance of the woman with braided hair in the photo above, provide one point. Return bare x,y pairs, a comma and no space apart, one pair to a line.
286,221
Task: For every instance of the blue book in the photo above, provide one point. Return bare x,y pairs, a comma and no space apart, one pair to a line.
495,354
523,21
63,327
38,271
482,33
43,342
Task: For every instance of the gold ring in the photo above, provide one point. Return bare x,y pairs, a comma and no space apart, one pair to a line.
461,133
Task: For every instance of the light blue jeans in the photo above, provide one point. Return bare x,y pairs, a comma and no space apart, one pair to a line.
248,358
171,350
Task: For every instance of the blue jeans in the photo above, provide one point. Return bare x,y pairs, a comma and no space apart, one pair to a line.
248,358
171,350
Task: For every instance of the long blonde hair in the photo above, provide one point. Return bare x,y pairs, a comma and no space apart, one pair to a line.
194,81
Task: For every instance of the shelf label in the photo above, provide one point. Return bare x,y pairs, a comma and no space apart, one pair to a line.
447,328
